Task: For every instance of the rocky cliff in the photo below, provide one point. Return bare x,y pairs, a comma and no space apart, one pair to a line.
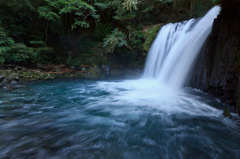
219,63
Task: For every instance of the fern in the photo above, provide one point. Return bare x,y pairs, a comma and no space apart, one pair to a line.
46,13
130,4
80,23
4,39
80,9
103,5
37,44
114,40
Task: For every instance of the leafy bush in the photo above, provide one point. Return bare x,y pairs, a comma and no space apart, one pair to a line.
102,30
19,53
5,44
136,37
41,54
116,39
130,4
150,35
79,9
37,44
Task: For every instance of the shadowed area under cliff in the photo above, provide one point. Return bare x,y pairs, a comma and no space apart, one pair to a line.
218,67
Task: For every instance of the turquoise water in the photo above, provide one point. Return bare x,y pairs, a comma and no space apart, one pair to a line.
115,119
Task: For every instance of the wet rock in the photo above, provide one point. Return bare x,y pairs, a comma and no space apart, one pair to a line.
1,85
9,71
218,71
227,113
94,73
58,70
39,66
1,78
13,82
106,69
8,87
5,81
238,122
18,68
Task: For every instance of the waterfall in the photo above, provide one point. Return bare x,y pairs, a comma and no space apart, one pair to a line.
176,47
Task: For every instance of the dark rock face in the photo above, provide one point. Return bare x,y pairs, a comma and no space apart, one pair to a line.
1,78
218,70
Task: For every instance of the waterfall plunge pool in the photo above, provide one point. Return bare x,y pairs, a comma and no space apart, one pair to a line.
120,119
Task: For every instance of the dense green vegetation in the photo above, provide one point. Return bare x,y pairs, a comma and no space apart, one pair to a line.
78,32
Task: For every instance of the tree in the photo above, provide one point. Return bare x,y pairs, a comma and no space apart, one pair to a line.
77,11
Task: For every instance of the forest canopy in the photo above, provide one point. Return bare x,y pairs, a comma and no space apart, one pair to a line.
86,31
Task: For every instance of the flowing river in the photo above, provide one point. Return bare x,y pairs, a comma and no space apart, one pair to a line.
113,119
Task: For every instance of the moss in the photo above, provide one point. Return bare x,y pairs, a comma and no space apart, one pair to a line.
80,75
94,72
149,35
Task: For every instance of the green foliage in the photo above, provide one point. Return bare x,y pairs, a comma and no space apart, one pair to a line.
5,44
72,62
150,35
130,4
41,54
86,52
114,40
80,23
165,1
136,37
216,2
21,54
37,44
78,9
46,13
29,27
5,40
123,12
18,53
102,30
102,5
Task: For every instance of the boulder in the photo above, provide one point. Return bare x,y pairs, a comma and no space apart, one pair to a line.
5,81
13,82
106,69
1,78
94,72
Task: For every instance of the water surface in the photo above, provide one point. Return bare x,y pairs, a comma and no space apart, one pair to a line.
131,119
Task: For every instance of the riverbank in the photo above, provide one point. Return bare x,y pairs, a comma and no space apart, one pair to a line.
12,76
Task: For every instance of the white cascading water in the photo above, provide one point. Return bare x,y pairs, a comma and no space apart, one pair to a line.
175,49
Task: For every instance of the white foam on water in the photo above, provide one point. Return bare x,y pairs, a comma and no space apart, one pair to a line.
169,61
150,94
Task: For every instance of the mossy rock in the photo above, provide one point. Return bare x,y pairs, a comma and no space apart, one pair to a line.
94,72
80,75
